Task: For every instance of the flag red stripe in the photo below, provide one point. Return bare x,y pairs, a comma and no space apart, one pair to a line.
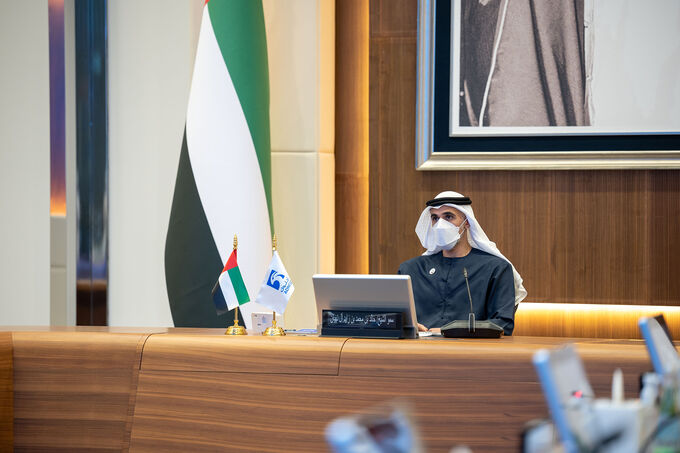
231,262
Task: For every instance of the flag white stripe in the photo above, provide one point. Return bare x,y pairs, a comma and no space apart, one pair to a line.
228,291
225,165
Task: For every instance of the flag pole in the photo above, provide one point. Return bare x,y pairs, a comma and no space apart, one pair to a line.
274,331
236,329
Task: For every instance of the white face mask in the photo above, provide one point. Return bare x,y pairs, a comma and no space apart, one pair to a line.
445,234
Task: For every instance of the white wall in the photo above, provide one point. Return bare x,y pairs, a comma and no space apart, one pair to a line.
24,164
301,50
151,52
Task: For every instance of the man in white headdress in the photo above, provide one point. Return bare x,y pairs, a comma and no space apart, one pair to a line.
454,241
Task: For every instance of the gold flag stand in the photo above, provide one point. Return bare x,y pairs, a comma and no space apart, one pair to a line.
236,329
274,331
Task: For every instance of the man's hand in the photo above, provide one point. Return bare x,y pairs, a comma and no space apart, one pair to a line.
422,328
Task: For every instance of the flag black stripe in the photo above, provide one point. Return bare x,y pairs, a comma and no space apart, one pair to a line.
192,261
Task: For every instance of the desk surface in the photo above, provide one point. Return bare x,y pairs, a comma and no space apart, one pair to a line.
198,390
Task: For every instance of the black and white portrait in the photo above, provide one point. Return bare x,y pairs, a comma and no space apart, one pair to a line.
564,67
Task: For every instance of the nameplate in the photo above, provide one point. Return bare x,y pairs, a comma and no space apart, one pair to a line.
362,323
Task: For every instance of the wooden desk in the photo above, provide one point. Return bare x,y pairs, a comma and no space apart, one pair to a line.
197,390
477,392
6,392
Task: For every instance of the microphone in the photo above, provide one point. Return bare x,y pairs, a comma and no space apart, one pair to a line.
471,316
471,328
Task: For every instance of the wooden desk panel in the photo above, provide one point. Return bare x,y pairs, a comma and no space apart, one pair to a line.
252,354
6,392
184,411
201,412
444,358
73,390
503,360
477,392
195,390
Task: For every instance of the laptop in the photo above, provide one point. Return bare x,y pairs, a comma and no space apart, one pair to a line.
366,293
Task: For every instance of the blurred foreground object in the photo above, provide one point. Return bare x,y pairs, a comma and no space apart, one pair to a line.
385,428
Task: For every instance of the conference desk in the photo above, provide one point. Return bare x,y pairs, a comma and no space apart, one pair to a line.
98,389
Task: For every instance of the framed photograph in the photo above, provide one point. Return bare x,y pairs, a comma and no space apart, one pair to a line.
550,84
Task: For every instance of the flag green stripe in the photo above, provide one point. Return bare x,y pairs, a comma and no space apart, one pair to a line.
240,32
239,286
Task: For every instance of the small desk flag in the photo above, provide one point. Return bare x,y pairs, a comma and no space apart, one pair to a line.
230,291
277,286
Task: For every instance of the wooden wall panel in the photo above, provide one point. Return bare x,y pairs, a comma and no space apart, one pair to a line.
590,320
390,181
393,17
6,392
575,236
601,253
351,137
73,390
664,236
519,218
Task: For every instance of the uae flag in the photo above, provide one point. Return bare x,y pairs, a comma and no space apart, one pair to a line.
230,291
223,185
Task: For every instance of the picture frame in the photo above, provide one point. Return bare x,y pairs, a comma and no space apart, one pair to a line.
437,149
